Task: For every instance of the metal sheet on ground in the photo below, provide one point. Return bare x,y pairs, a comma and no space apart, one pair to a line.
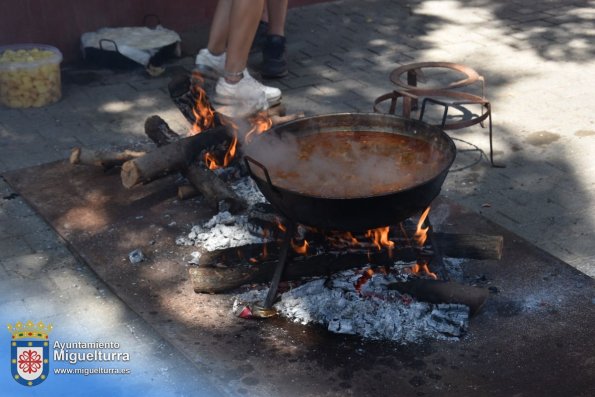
533,337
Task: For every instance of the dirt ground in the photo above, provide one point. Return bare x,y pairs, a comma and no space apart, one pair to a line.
532,338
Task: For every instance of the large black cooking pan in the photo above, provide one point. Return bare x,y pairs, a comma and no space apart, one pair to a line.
359,213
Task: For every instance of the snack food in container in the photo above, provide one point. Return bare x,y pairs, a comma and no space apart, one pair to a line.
29,75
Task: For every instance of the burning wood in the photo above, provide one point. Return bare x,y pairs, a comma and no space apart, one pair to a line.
226,269
210,131
204,181
189,92
390,259
471,246
171,158
213,188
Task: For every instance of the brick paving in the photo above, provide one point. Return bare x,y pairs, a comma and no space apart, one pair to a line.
538,60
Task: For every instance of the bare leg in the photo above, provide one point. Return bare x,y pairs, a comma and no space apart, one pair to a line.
219,32
243,23
277,11
265,13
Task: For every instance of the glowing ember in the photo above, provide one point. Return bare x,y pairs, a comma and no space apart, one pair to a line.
281,226
300,249
367,274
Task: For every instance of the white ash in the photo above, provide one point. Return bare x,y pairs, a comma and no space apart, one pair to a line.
454,268
194,258
135,257
224,230
247,189
374,313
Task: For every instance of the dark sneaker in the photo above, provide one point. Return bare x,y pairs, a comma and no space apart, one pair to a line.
260,36
274,58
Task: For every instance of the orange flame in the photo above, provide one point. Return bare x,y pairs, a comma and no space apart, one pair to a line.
300,249
380,237
421,268
281,226
231,151
203,112
421,233
204,115
261,122
210,161
213,163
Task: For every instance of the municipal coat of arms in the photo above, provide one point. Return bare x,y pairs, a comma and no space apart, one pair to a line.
29,347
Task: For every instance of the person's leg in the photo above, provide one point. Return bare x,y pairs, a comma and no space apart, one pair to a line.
212,58
237,86
219,31
277,12
243,20
274,62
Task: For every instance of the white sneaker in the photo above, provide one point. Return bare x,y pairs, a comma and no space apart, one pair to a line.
247,87
273,94
204,58
216,63
245,96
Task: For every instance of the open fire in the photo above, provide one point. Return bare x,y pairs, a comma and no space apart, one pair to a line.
360,301
248,243
206,117
373,265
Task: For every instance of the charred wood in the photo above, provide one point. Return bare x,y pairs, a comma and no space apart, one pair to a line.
262,217
213,189
212,276
204,181
186,192
437,291
159,131
172,157
184,92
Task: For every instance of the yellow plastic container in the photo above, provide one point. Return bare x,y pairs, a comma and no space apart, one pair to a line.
29,75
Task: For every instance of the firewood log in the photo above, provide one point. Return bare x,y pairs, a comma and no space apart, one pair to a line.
213,189
172,157
211,276
226,269
102,158
437,291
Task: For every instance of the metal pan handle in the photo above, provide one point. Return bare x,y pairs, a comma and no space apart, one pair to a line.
250,160
101,41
